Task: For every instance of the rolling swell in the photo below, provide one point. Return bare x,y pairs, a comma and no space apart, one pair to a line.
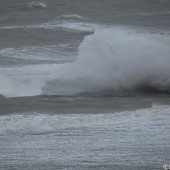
111,61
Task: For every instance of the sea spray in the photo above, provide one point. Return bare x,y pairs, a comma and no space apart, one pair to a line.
113,60
118,60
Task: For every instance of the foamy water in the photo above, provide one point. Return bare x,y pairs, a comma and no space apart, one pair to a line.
131,139
35,123
53,52
71,22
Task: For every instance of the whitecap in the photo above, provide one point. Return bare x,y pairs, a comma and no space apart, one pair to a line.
37,5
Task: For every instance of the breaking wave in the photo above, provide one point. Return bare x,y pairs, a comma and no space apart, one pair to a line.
110,60
117,60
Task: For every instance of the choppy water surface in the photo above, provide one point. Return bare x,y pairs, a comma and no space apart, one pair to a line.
129,139
84,85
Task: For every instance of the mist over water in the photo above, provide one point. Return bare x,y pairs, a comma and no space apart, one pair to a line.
111,59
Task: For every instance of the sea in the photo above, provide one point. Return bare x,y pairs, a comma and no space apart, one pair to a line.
85,85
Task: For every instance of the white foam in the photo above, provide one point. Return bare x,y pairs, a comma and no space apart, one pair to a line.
46,123
37,5
25,81
76,26
11,87
64,23
70,16
53,52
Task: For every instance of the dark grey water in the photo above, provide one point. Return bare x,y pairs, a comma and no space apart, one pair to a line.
84,84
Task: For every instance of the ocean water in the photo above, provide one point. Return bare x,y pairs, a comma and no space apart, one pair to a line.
84,84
